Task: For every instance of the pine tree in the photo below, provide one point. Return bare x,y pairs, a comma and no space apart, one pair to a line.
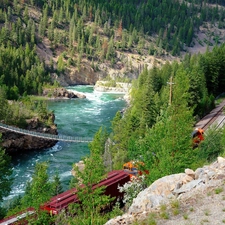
5,174
92,200
56,185
167,148
39,189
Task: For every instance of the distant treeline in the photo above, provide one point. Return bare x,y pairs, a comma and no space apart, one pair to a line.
94,30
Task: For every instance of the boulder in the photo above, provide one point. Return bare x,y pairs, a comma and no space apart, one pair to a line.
182,186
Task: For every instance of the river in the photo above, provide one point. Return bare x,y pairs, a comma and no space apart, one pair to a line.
75,117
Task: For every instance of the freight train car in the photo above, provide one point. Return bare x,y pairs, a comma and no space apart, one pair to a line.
62,201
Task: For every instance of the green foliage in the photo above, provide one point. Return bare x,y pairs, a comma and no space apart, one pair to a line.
212,146
17,112
5,176
38,190
56,185
93,201
18,73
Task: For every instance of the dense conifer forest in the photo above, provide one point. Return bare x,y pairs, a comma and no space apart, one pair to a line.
94,30
156,127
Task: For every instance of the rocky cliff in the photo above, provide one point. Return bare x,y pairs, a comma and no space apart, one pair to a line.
14,142
61,93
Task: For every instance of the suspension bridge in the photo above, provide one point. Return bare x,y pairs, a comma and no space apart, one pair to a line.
45,135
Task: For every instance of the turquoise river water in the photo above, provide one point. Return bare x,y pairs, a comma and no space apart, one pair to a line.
75,117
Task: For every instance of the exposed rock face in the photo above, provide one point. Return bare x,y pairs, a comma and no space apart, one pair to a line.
182,187
62,93
120,87
14,142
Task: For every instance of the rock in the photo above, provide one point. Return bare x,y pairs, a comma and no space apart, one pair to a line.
62,93
156,193
190,173
80,166
79,95
119,87
187,179
187,187
198,173
183,187
14,142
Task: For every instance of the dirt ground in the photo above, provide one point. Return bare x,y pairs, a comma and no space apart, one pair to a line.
206,208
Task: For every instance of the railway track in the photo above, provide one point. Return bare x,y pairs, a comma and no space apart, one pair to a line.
215,117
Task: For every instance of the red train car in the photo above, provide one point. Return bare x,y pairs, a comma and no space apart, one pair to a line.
62,201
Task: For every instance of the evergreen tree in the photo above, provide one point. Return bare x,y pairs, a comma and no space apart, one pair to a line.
39,189
5,176
56,185
92,200
167,147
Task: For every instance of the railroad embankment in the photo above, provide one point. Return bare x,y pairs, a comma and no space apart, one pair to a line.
192,197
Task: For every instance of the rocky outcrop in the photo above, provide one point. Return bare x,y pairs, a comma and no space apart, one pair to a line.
104,86
62,93
14,142
182,187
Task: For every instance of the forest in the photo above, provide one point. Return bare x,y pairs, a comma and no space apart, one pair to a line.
155,128
96,31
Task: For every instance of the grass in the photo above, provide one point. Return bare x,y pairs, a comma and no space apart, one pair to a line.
151,219
38,98
175,206
185,216
207,213
218,190
163,207
204,221
163,213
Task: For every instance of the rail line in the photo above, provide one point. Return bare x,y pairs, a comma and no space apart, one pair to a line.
45,135
216,116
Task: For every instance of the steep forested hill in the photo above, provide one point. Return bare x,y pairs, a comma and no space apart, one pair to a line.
82,41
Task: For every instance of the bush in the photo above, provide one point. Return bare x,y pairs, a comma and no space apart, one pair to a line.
132,189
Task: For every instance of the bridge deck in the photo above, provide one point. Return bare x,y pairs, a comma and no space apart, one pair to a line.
45,135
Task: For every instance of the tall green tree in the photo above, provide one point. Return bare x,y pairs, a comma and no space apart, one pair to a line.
92,200
5,176
39,189
167,147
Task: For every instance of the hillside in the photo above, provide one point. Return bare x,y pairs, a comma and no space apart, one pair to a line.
82,42
205,37
192,197
46,44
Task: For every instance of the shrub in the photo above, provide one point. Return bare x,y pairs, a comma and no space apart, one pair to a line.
132,189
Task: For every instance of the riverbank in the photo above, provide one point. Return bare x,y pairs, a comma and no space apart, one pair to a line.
75,117
114,87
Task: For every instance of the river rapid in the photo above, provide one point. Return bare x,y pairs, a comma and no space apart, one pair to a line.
74,117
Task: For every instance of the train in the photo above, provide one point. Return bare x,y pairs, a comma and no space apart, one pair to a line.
215,117
111,182
61,201
197,137
114,178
